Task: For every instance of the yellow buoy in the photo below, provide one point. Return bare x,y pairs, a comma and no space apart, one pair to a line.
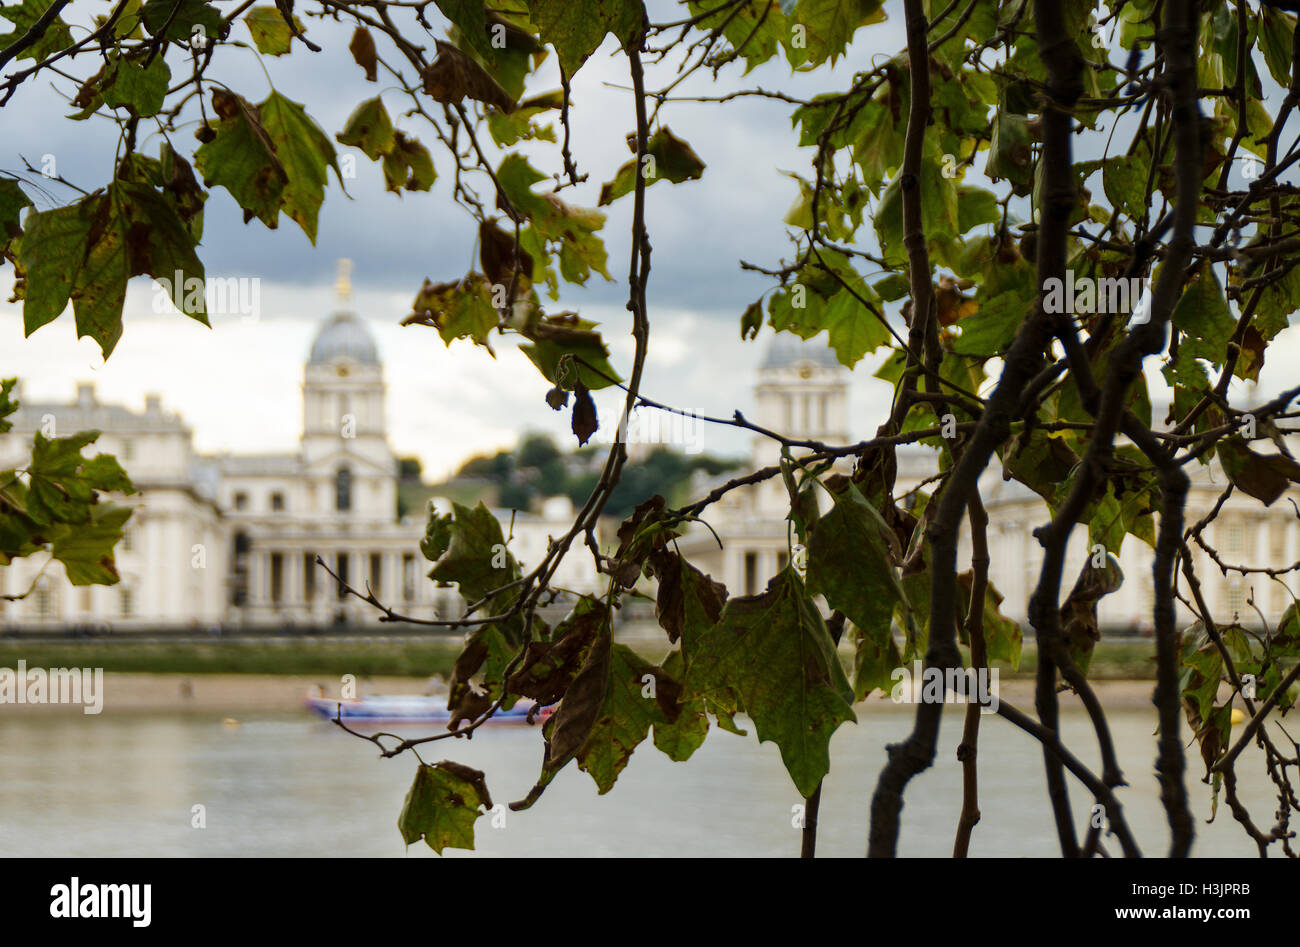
1237,716
230,722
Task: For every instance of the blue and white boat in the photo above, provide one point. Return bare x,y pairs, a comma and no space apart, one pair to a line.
408,709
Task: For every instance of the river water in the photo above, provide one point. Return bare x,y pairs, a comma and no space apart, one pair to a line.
283,784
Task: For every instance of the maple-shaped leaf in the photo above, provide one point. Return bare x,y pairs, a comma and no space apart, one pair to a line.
242,159
775,653
577,27
442,805
305,153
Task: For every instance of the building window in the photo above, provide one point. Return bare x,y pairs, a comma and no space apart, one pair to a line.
128,539
126,602
341,570
43,603
128,448
241,501
1234,599
277,502
343,490
309,576
408,576
1234,539
277,577
239,570
376,571
751,573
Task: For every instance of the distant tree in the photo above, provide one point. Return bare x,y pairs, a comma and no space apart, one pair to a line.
536,450
941,217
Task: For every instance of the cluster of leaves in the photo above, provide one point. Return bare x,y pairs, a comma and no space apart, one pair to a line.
862,229
55,503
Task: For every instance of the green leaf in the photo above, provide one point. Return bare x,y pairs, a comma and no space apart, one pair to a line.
459,310
939,214
976,206
555,339
242,159
679,739
271,34
989,331
572,228
1264,476
688,605
853,330
442,806
1203,317
408,167
88,251
638,695
305,153
469,18
753,30
56,38
182,19
12,203
849,562
1011,155
1276,33
51,254
370,129
576,27
519,126
667,157
7,404
137,87
86,550
773,650
476,558
1124,179
830,25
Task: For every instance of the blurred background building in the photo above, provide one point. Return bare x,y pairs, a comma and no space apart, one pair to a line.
231,541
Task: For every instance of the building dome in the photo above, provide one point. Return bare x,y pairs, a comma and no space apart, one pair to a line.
788,350
344,335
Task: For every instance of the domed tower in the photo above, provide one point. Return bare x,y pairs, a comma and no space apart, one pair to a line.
802,392
344,443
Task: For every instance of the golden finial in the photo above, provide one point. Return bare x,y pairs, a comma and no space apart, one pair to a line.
343,285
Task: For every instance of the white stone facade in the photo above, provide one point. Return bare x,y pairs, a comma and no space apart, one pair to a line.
802,392
229,542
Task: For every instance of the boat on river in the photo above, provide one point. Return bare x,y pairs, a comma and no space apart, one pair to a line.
408,709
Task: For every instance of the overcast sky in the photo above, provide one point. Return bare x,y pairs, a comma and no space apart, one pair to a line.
238,383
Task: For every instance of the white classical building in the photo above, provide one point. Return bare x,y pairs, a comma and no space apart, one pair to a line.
231,541
803,392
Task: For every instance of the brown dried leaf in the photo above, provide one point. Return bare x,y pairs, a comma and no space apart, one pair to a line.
453,76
